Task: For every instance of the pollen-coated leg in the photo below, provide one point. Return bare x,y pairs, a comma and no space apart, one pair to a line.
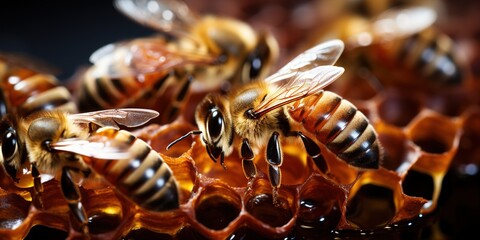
72,195
249,168
37,187
314,151
274,159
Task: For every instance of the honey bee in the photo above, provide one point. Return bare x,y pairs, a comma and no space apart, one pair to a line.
28,86
396,41
67,145
291,102
191,52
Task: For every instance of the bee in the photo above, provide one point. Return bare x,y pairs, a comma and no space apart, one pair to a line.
71,145
396,42
28,86
204,53
290,102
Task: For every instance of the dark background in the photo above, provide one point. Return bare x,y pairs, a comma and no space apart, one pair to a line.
63,33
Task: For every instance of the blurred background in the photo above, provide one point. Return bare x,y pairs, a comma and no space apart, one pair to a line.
64,33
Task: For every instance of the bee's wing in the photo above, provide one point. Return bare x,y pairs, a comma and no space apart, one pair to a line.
326,53
300,85
393,24
401,22
142,56
172,16
129,117
94,147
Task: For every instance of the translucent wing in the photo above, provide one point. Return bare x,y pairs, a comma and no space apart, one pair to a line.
129,117
326,53
300,85
401,22
392,24
142,56
94,147
170,16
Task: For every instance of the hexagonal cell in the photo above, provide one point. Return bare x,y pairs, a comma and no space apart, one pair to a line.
217,206
259,203
371,207
262,208
321,204
398,107
398,152
418,184
377,200
433,133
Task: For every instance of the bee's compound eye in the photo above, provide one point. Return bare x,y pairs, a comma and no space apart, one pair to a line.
215,124
9,144
256,65
257,59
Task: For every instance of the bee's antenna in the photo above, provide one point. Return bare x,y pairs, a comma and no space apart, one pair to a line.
193,132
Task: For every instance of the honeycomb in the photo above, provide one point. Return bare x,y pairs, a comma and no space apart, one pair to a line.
426,187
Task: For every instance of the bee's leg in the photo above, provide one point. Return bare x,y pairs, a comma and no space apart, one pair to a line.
314,151
37,186
249,168
71,192
274,159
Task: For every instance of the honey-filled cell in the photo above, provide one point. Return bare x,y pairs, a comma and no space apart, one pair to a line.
217,206
320,206
263,208
270,215
372,207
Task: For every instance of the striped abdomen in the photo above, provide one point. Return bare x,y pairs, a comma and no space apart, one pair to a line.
144,178
27,91
98,90
431,53
338,124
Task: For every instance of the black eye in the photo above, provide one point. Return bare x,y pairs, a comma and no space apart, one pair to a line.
215,124
256,59
256,65
9,144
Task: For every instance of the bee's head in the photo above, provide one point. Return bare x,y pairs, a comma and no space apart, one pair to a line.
259,60
10,159
215,122
245,53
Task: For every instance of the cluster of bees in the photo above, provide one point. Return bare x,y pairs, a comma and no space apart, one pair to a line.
46,131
